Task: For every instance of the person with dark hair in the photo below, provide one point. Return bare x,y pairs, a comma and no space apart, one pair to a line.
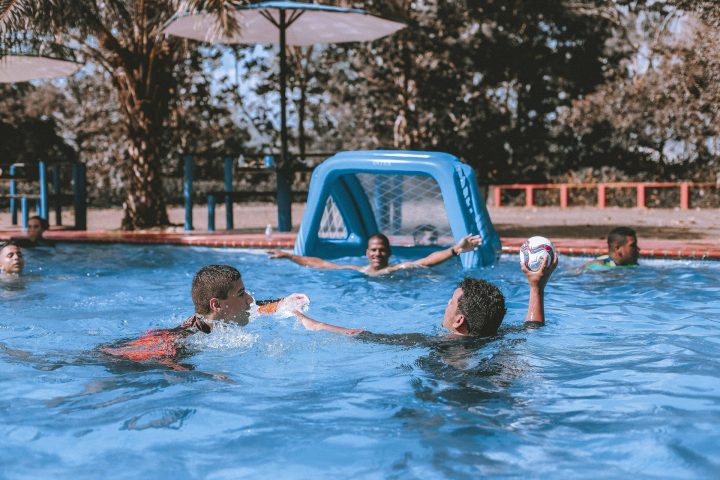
476,308
36,227
11,258
378,255
219,295
623,251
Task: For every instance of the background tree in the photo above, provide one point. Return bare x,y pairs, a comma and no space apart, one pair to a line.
125,39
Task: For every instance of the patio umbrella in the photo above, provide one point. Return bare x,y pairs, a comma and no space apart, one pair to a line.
287,23
22,68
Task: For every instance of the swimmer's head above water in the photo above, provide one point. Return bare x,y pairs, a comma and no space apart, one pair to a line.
11,258
477,307
378,251
218,293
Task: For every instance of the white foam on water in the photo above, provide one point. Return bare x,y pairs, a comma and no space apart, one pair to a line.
224,336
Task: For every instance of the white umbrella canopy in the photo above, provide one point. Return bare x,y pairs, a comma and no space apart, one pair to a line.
286,23
23,68
306,24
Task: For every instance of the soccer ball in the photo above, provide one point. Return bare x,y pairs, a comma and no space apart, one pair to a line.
534,250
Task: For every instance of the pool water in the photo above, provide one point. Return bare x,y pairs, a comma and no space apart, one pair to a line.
624,380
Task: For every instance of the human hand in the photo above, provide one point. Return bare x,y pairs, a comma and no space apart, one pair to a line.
540,278
274,254
468,243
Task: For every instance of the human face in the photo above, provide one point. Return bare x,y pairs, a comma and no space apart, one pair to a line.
453,319
34,229
378,253
11,259
236,307
628,253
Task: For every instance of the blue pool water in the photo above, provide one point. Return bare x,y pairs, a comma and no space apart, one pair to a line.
624,380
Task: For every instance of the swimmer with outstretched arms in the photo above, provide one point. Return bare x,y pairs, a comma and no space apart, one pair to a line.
11,258
378,255
623,251
476,308
219,295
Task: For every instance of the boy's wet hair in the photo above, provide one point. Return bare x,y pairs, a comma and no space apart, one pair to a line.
212,281
483,306
618,235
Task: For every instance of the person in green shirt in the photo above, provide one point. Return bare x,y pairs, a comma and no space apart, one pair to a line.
623,251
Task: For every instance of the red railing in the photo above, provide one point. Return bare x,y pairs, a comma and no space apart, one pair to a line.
640,188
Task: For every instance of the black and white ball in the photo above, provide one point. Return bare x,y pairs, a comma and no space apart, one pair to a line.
534,250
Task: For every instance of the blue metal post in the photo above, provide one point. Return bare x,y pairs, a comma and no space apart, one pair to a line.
80,195
188,191
42,168
56,191
284,200
211,213
13,192
229,224
25,215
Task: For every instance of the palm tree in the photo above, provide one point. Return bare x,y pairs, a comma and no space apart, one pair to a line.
125,39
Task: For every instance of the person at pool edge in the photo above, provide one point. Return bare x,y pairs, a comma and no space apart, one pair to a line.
218,294
36,227
11,258
476,307
623,251
378,255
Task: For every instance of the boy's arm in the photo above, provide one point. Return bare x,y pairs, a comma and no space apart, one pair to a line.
466,244
312,262
537,281
314,325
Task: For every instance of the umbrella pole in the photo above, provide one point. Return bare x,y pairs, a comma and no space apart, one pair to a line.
284,170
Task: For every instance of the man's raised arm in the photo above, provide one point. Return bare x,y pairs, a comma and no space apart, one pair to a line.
466,244
312,262
537,281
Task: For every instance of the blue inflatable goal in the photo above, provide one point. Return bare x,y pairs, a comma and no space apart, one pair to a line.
421,200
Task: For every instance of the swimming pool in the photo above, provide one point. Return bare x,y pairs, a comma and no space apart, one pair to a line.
623,380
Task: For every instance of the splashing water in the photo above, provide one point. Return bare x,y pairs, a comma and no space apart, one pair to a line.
224,336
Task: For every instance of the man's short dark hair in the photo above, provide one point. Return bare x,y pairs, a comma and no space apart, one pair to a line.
43,223
483,306
380,237
618,236
213,281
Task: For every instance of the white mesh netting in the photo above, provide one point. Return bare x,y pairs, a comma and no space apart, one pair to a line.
409,209
332,224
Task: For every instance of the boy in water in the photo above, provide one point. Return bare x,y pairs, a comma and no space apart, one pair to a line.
378,255
623,251
11,258
218,294
36,227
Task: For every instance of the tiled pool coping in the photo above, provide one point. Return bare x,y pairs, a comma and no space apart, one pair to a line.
588,247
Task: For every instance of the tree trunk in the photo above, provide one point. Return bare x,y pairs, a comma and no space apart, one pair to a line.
144,90
144,205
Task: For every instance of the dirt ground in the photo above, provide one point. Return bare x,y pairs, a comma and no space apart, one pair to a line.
553,222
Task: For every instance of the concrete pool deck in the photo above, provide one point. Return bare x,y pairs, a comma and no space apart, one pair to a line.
662,233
